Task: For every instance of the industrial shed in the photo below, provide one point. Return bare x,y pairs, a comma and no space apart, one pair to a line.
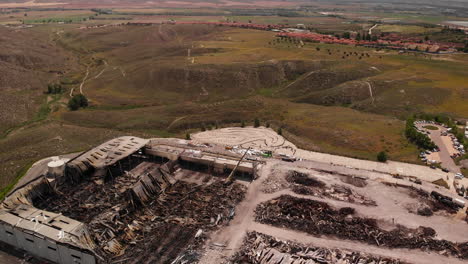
102,157
48,235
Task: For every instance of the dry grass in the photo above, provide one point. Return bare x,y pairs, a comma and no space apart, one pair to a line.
151,88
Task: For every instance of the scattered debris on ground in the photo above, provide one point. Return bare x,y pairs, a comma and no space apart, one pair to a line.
318,218
274,182
428,204
263,249
305,184
353,180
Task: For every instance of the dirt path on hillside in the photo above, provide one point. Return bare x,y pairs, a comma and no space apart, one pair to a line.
82,83
103,70
300,78
175,121
370,92
370,29
84,80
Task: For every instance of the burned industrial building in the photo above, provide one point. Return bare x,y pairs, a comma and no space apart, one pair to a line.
134,200
129,200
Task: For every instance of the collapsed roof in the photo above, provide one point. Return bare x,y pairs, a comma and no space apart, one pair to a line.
105,154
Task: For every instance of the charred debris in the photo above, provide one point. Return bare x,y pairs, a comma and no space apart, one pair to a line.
263,249
139,207
319,218
305,184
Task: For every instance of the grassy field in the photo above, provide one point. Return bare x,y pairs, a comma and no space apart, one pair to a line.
408,17
407,29
165,80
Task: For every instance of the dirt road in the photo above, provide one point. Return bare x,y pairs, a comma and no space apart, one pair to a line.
391,204
265,138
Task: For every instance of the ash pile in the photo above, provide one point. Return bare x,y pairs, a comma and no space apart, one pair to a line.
319,218
263,249
430,203
144,215
302,183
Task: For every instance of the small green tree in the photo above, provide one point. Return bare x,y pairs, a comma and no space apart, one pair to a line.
50,88
242,123
77,101
382,156
203,128
256,122
358,36
280,131
267,124
73,104
187,136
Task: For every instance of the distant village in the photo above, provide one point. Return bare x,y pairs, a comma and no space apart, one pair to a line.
388,41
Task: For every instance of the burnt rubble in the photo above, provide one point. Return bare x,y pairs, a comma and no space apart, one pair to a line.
263,249
150,219
428,203
305,184
318,218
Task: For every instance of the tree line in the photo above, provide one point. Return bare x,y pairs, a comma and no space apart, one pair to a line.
420,139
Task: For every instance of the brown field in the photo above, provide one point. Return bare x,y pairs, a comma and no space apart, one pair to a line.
165,80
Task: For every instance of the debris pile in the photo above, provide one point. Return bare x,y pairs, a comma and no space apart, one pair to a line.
429,203
131,225
263,249
305,184
319,218
275,182
354,180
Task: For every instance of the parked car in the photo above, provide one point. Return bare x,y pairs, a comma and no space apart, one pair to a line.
445,170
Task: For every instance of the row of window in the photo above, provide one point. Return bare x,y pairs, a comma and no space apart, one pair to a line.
49,247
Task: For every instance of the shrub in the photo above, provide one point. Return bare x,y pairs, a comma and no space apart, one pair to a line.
256,122
382,156
280,131
77,101
54,89
73,104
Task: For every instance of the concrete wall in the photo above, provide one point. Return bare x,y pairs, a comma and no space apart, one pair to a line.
42,246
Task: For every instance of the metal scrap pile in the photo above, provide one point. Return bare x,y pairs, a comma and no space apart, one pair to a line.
305,184
319,218
263,249
126,230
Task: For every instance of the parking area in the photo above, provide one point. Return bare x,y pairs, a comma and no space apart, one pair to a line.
447,146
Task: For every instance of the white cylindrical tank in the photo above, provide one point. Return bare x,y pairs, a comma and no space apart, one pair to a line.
56,167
